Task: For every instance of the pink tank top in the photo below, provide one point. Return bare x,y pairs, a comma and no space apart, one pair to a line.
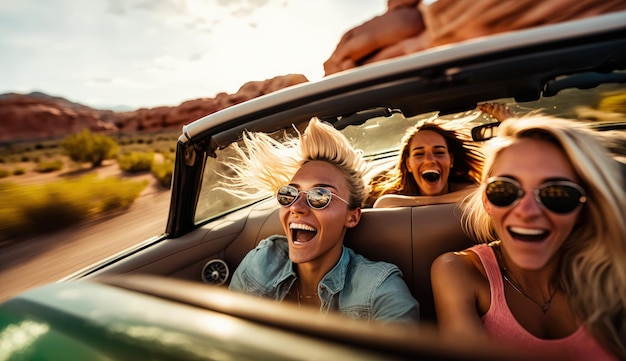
500,323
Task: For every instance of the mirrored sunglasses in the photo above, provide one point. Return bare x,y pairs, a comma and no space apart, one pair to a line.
316,198
557,196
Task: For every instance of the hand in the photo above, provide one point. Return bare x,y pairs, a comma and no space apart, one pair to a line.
497,110
366,40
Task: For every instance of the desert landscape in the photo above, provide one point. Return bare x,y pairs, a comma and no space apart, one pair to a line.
31,262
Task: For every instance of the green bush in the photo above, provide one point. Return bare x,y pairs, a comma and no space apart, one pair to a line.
49,166
162,171
86,147
34,209
114,193
135,162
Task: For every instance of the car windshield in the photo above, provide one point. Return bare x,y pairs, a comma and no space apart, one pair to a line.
602,107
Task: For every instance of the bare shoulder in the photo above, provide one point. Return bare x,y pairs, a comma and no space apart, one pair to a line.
462,262
461,270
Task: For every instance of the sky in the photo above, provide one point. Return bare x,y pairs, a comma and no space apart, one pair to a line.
131,54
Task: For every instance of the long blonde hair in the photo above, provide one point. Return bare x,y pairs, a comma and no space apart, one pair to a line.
593,263
265,164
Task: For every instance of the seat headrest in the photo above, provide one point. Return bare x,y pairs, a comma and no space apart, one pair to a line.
411,238
397,200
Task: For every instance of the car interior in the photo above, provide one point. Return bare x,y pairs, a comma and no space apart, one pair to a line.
409,237
408,231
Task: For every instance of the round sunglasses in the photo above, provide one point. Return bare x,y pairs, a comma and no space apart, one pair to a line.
560,197
316,198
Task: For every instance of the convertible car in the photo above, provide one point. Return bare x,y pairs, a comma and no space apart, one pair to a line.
167,297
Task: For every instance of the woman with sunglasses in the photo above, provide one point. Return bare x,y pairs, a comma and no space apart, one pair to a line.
318,182
549,271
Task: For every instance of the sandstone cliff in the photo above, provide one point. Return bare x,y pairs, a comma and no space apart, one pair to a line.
39,116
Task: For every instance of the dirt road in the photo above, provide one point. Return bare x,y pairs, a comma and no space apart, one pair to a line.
46,259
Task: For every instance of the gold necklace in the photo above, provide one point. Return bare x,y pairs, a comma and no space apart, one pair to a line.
300,296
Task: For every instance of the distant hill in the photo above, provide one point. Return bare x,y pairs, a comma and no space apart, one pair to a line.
45,98
40,116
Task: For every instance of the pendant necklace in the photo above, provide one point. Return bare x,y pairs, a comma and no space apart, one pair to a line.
545,307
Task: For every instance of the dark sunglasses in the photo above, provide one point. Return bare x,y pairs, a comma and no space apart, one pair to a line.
316,198
557,196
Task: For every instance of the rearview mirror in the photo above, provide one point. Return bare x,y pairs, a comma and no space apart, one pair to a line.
484,132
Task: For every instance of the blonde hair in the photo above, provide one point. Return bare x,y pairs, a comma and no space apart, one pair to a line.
593,267
267,164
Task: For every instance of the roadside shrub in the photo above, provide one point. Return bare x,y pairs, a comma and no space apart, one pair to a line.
163,170
49,166
115,193
56,207
135,162
86,147
35,209
19,171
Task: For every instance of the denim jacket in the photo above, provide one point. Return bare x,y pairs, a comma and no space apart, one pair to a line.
356,287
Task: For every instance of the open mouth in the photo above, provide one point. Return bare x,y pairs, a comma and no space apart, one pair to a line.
302,233
431,176
528,235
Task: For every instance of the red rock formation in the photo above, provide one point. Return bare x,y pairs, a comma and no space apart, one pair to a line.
175,117
37,116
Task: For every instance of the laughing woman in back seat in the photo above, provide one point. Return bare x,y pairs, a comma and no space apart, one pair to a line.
433,161
318,182
549,272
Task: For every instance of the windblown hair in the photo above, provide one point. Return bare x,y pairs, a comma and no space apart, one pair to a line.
268,164
468,162
592,269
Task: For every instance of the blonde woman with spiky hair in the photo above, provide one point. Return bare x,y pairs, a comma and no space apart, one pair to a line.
318,181
549,271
